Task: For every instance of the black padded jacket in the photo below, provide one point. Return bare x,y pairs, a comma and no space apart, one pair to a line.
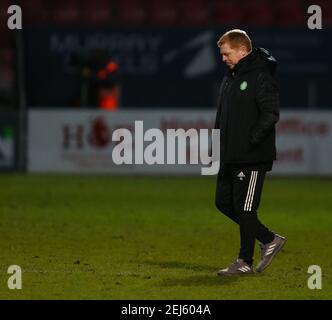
248,109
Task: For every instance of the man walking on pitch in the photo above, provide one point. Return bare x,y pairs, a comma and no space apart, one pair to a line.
248,109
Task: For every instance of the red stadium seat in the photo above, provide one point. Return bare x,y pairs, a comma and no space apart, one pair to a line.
7,38
227,12
4,4
7,61
290,13
163,12
259,13
35,11
97,12
194,12
130,11
7,55
67,12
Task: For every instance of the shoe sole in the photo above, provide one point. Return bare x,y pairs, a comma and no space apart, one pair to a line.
235,274
273,255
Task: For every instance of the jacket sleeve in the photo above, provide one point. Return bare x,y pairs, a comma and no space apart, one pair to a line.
217,120
267,99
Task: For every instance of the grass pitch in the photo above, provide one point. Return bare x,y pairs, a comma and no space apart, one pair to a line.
94,237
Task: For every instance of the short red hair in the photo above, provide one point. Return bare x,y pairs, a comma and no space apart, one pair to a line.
235,38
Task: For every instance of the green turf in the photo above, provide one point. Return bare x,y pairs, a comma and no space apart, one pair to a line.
99,237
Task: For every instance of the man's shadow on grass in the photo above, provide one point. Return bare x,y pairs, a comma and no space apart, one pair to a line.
210,279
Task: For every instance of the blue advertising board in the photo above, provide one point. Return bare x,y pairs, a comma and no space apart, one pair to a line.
186,58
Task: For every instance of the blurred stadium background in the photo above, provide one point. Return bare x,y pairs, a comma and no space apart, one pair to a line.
80,69
157,61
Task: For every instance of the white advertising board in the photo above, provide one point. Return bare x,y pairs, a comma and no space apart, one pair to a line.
82,141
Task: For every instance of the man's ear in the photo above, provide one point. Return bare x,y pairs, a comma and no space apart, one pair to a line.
243,51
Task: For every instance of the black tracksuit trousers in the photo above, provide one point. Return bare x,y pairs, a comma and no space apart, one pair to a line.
238,194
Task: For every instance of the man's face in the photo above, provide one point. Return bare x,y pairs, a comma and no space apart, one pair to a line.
231,56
